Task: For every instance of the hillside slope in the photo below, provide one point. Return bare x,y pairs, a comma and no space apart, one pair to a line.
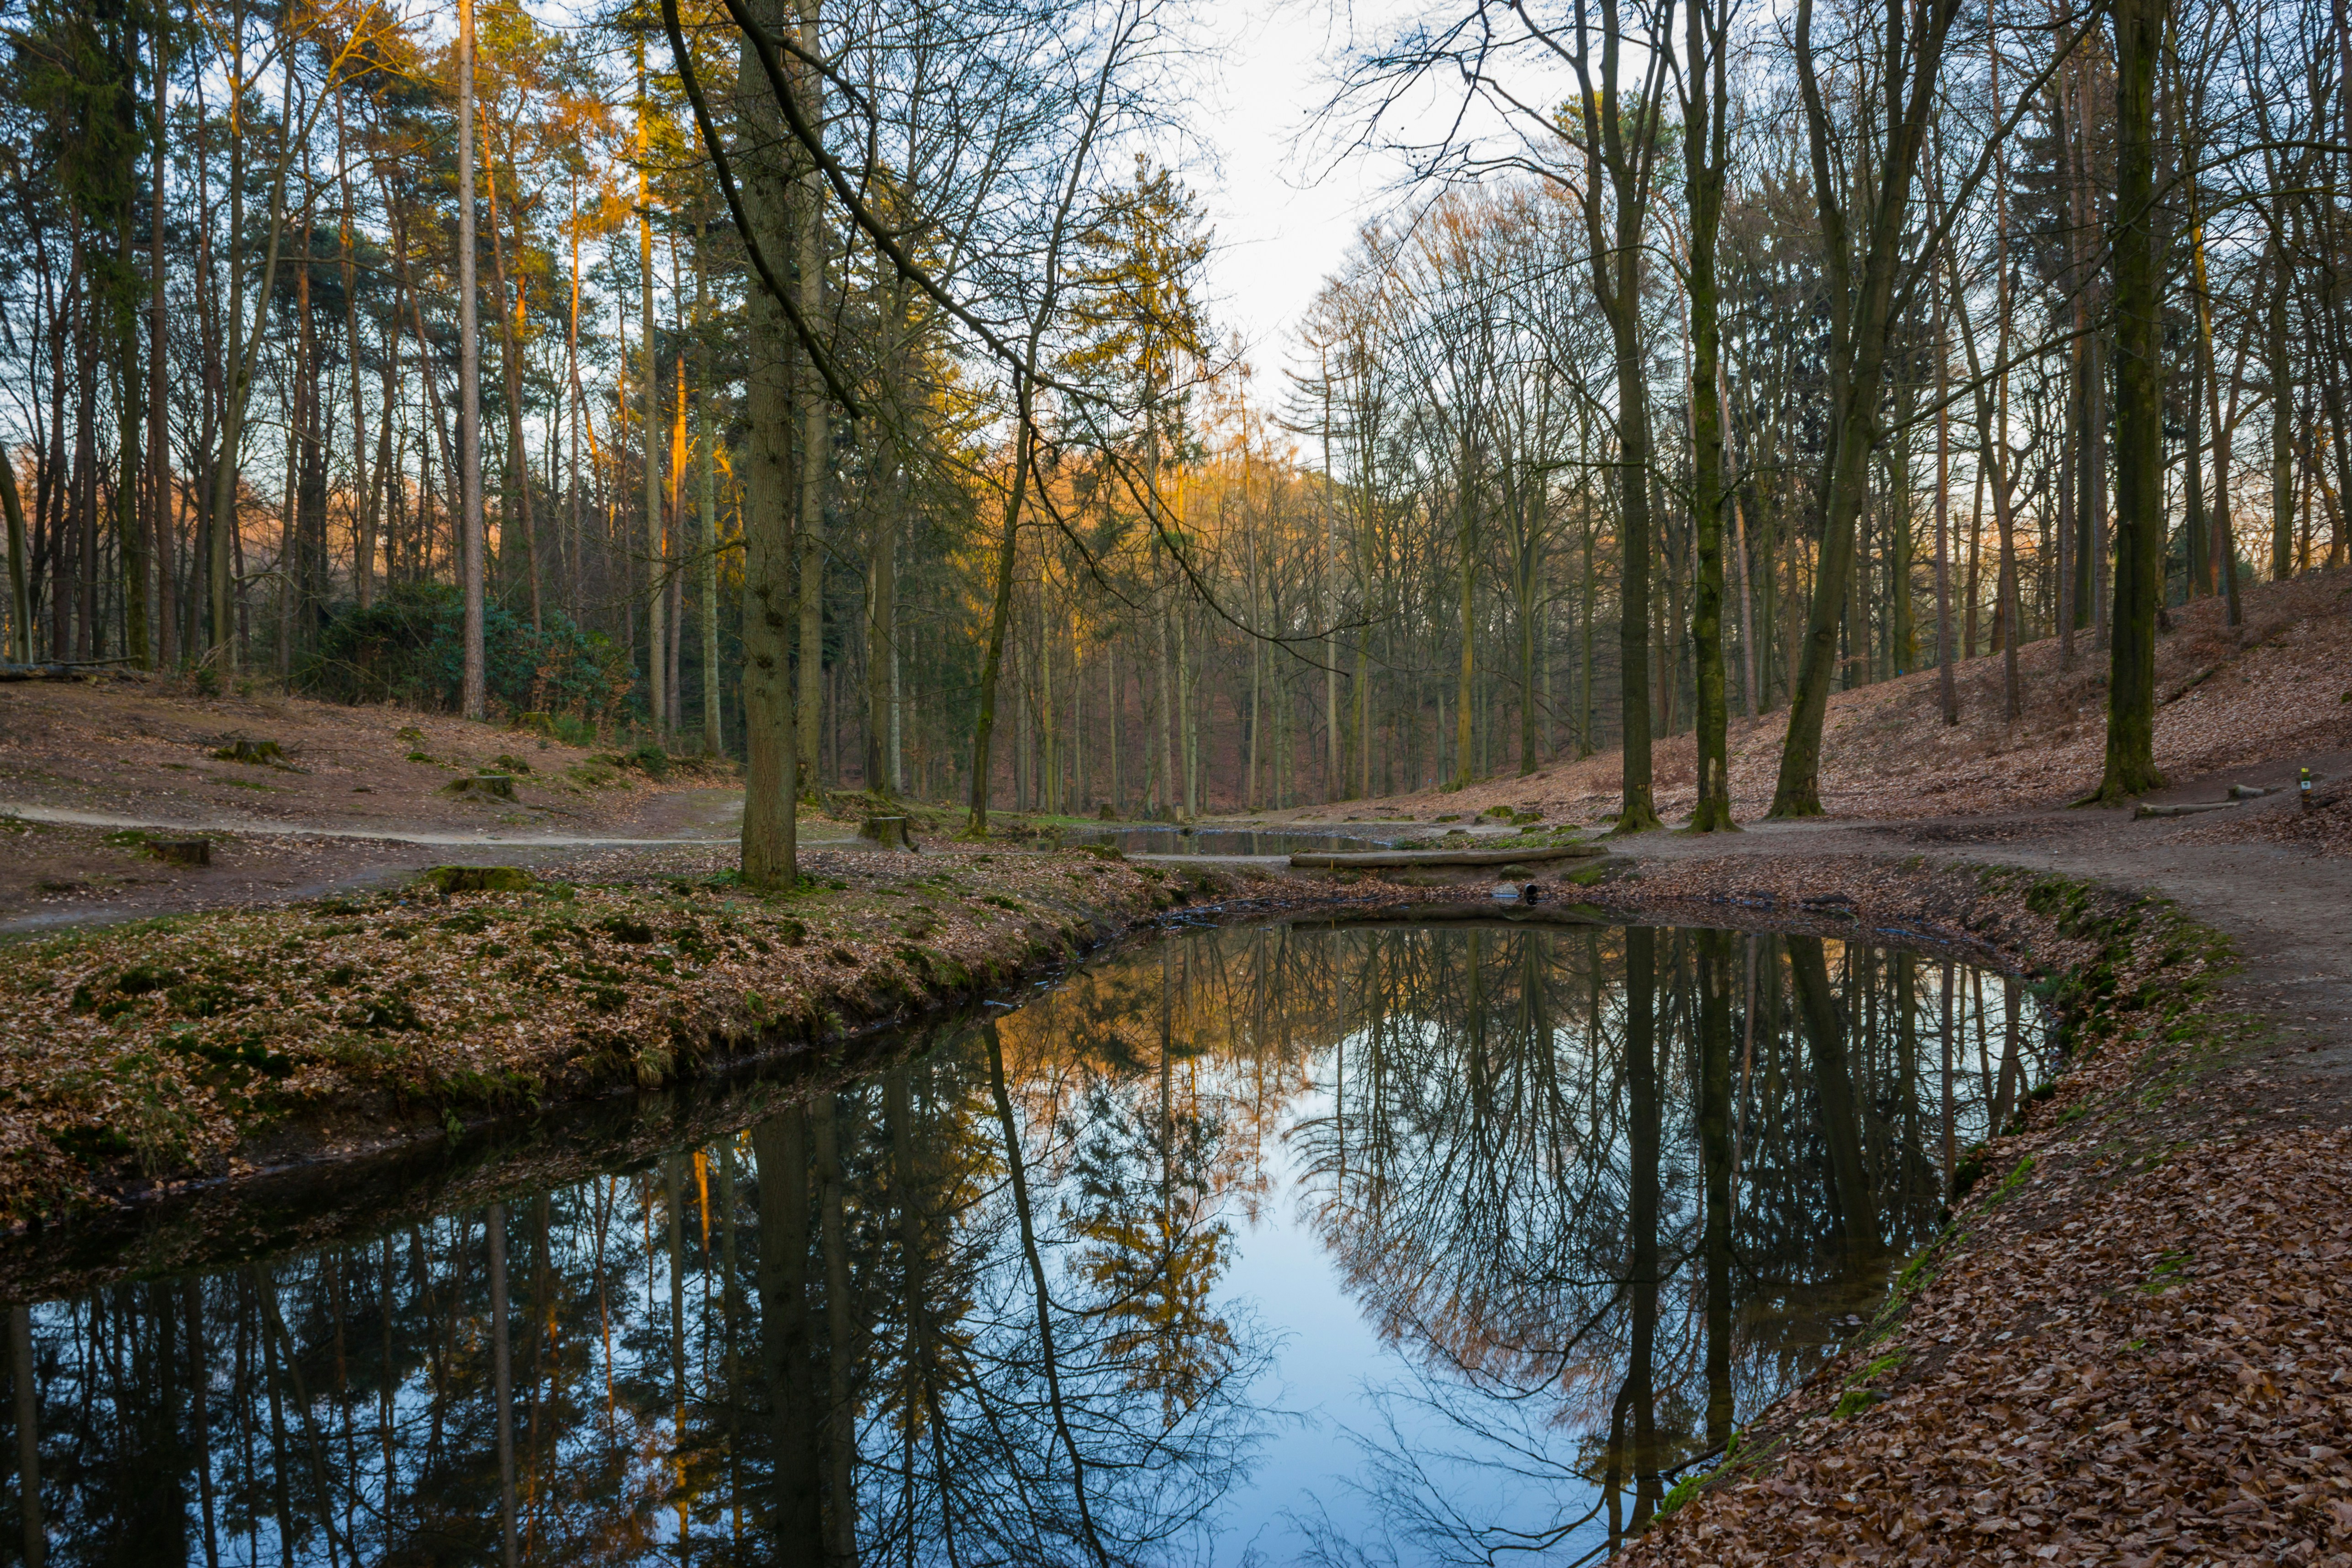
354,789
2272,691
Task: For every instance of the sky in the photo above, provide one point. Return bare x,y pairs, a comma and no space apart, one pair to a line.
1284,210
1285,203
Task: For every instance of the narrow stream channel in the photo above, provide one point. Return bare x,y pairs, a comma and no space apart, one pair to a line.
1288,1243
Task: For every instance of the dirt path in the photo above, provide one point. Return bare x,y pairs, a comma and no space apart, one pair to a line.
63,867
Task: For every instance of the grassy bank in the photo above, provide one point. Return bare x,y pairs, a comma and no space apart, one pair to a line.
136,1058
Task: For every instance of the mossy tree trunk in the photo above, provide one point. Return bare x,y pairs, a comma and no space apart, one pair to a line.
1706,147
771,769
1862,310
1619,145
2139,410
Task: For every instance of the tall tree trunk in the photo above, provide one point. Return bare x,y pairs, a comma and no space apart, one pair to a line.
809,256
999,616
1706,149
363,497
1861,315
130,528
1617,193
159,465
244,346
771,765
1465,546
515,505
657,556
2137,265
882,572
2281,390
707,498
469,379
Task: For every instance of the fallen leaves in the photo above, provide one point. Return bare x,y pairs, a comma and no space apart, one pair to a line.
137,1054
2270,691
2142,1355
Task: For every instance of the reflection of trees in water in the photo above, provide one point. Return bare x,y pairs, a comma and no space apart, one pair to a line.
841,1336
1603,1188
966,1310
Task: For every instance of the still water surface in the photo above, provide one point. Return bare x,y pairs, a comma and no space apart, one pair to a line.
1282,1244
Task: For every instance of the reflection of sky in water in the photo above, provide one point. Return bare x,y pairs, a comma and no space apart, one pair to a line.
1334,1387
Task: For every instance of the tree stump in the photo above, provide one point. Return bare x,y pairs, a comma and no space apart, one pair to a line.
479,879
258,753
889,832
499,784
181,852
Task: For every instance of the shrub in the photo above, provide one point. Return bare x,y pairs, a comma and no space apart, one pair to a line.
409,647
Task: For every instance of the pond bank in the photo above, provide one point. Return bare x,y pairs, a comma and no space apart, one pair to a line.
2129,1345
141,1061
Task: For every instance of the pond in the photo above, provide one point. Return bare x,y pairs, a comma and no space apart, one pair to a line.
1220,840
1301,1242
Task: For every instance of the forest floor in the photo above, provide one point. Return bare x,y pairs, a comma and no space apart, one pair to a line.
358,797
2259,695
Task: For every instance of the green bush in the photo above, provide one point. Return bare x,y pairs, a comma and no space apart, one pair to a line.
409,646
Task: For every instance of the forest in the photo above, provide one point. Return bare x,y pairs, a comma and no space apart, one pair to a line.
837,386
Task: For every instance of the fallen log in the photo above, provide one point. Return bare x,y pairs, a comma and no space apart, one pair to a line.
1488,917
1368,859
2189,808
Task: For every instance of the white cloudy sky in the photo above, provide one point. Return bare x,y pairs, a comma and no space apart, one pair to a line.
1284,207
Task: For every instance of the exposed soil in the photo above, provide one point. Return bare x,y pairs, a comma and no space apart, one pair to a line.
360,797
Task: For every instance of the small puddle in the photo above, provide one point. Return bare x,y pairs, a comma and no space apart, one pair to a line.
1294,1242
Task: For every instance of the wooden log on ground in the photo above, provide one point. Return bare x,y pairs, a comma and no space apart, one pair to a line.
1487,916
181,852
57,669
477,879
2189,808
1373,859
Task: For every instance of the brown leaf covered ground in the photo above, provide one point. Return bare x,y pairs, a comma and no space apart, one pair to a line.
92,768
2131,1347
2279,684
145,747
